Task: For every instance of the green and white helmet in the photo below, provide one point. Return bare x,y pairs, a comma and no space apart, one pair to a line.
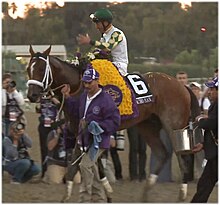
102,15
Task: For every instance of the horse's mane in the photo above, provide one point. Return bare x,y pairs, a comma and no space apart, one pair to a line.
78,68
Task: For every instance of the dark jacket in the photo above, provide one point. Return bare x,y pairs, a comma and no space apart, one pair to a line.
210,124
104,111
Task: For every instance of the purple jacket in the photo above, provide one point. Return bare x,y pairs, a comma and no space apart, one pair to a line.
104,111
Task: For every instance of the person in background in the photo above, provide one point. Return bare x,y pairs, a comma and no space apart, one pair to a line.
18,162
209,123
56,157
188,159
182,77
11,102
115,156
137,155
204,102
99,119
48,110
112,39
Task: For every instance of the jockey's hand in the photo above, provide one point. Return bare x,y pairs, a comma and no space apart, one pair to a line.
83,39
198,147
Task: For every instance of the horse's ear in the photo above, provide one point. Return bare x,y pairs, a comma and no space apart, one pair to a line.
31,51
47,51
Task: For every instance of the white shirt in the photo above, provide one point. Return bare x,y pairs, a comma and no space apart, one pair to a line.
15,94
206,103
89,100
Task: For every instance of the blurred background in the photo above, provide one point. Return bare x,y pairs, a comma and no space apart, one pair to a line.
162,36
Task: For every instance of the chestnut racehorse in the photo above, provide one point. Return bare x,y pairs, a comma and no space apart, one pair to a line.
172,108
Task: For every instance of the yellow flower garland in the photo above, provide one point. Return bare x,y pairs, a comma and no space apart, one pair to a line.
110,75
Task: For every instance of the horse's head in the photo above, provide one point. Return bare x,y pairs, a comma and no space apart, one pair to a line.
39,73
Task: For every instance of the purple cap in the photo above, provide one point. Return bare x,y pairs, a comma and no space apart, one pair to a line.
213,83
90,75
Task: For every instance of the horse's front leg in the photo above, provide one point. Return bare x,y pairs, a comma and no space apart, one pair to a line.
71,172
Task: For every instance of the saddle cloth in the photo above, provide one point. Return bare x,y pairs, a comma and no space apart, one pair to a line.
115,85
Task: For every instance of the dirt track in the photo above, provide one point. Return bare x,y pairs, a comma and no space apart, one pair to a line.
124,191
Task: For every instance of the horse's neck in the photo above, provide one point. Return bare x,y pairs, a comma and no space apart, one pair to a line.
64,74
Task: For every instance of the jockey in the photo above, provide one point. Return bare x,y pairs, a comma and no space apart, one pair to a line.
113,39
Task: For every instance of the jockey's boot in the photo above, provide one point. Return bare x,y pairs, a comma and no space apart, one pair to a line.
69,188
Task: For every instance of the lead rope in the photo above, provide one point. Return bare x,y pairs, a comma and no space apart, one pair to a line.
61,107
63,98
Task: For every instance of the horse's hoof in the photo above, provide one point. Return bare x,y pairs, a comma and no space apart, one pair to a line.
182,192
151,181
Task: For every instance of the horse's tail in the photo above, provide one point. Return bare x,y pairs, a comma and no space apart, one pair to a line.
195,109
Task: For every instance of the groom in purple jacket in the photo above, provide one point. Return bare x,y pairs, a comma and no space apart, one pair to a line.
99,118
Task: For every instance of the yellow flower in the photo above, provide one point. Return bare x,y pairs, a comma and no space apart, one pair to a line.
110,75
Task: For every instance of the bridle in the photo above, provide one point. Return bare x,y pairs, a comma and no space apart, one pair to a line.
45,84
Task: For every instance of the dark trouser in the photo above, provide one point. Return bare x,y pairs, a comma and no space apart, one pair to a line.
206,182
189,163
116,162
137,155
43,133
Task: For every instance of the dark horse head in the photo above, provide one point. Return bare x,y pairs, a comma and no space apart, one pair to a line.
47,73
